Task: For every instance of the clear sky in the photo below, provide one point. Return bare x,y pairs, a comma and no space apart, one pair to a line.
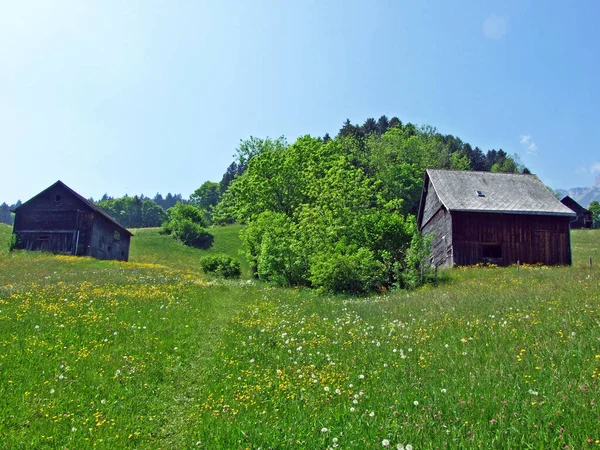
154,96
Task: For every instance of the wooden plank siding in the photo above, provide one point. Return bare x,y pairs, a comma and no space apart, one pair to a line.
59,220
526,238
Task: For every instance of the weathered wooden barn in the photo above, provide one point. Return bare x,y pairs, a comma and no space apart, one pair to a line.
584,216
60,220
497,218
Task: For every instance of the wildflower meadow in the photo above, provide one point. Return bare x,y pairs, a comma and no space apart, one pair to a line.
154,354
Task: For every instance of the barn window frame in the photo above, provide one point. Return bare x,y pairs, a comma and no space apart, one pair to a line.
57,198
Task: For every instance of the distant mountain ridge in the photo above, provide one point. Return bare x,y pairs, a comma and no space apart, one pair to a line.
583,195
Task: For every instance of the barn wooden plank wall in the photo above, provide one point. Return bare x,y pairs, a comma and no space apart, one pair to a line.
525,238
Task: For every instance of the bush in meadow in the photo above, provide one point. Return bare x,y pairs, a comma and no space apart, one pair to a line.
221,265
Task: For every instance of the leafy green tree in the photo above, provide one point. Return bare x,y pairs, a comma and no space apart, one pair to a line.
183,211
595,210
206,196
152,214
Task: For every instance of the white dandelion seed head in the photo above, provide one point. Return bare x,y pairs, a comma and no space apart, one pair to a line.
385,443
324,430
372,414
416,403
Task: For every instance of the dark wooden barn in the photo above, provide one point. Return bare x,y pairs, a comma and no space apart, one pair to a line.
497,218
60,220
584,216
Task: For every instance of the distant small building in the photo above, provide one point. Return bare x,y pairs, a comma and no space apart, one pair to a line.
59,220
584,216
498,218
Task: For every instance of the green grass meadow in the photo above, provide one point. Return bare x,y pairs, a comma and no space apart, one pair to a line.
154,354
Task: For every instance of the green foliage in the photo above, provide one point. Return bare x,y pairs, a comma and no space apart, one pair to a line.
186,224
13,242
190,233
595,210
206,197
152,214
316,219
183,211
134,212
221,265
345,270
417,270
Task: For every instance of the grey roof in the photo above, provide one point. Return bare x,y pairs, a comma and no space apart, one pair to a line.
502,193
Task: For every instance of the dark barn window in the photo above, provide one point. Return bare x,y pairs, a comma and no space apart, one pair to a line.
57,198
492,251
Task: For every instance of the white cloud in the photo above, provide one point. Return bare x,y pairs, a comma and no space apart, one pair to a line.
525,139
595,168
495,27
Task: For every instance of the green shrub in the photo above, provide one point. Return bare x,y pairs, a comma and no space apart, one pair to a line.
351,272
14,243
191,234
221,265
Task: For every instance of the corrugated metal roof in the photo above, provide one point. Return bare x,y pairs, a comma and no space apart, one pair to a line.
495,192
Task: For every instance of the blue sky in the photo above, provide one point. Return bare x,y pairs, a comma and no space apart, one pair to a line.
154,96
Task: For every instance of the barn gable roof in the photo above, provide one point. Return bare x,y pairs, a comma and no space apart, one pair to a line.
573,205
84,200
493,193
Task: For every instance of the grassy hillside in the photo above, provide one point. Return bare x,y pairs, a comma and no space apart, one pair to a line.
148,246
150,354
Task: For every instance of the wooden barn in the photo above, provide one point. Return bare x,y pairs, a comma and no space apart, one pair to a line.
60,220
584,216
497,218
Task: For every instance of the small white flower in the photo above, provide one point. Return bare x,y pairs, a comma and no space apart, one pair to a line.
73,430
117,373
443,391
408,447
175,348
103,401
324,430
252,360
326,388
372,414
399,447
416,403
352,410
52,391
335,440
37,327
361,376
385,443
337,391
